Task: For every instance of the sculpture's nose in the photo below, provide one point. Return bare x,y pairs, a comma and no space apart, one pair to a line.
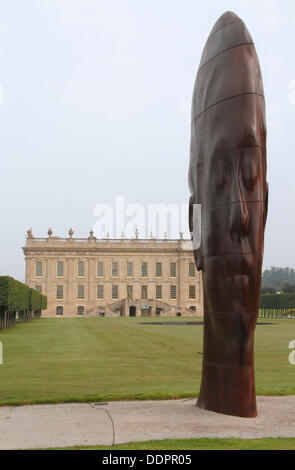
239,215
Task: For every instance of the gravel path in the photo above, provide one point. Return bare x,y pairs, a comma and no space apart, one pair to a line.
43,426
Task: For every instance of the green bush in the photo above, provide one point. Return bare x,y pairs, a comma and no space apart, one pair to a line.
35,300
14,295
43,302
278,301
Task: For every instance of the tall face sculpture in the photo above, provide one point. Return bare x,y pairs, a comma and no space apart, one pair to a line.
227,177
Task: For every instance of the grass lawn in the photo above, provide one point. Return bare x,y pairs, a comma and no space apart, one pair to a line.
87,359
201,444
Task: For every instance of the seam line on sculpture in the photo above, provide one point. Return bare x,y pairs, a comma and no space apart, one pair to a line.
230,150
225,50
232,254
233,202
111,419
225,26
227,367
225,99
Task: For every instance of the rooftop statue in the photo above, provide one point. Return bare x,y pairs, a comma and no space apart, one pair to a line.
227,177
30,233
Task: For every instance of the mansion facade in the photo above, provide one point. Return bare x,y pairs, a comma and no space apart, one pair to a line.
114,277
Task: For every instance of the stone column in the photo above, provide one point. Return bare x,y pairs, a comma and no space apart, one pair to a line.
29,270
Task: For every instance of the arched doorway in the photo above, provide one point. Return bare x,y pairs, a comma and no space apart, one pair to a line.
132,311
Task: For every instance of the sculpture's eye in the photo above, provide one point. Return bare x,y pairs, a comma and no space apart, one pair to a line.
250,172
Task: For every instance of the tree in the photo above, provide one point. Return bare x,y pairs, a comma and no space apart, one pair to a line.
276,276
287,288
268,289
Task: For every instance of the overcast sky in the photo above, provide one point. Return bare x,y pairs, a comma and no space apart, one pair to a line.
96,103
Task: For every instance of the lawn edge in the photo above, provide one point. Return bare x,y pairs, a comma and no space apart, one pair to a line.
202,443
129,397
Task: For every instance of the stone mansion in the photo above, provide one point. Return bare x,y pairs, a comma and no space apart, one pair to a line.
114,277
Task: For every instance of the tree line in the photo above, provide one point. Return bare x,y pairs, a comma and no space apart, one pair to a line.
18,300
276,280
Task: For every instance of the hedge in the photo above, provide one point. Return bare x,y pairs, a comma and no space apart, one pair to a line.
279,301
35,300
283,304
43,302
14,295
18,297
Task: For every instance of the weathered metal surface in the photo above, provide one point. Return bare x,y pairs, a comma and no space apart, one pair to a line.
227,177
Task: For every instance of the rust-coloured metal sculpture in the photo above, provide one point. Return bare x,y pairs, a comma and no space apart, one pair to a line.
227,177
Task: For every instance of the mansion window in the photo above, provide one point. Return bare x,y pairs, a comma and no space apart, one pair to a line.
129,269
144,292
158,292
99,269
173,292
143,269
81,269
100,292
192,292
158,269
192,270
115,269
80,310
115,292
59,269
129,292
59,292
39,268
172,269
81,292
59,311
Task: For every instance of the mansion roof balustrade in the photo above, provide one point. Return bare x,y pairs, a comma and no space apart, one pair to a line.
93,243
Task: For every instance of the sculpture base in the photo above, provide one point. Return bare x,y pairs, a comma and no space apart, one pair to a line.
228,390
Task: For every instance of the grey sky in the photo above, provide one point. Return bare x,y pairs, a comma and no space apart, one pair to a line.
96,103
